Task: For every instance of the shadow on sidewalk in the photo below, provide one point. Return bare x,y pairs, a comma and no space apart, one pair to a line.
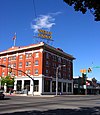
80,111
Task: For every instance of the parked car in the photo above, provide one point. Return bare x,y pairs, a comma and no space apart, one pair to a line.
2,95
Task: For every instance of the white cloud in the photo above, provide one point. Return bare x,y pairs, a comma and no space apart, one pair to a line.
44,22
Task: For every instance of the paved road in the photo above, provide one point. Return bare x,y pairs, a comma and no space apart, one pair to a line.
50,105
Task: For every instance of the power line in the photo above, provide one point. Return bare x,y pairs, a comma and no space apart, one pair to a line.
34,9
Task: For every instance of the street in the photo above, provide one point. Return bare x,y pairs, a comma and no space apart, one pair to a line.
50,105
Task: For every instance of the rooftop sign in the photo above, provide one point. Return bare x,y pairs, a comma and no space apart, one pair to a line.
44,34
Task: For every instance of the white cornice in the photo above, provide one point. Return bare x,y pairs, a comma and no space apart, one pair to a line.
22,48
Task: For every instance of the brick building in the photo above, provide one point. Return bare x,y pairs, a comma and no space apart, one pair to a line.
40,62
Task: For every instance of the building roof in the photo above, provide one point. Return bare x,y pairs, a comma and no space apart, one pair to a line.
41,44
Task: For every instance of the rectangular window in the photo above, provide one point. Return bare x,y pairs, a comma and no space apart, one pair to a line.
28,55
20,64
47,55
14,65
46,85
13,57
19,73
9,58
28,72
36,62
47,71
47,63
20,57
9,65
59,86
64,87
19,85
36,85
36,55
54,86
4,59
36,71
69,87
27,84
28,63
59,59
3,73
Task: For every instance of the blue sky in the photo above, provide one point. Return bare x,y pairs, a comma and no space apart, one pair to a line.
75,33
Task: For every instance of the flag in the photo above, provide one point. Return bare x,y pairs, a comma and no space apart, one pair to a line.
14,37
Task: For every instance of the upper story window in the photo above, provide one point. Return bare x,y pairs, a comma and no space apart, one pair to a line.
14,65
20,57
36,71
28,55
47,71
37,54
47,63
13,58
4,59
19,73
47,55
3,73
28,63
20,64
9,65
36,62
9,58
59,59
28,71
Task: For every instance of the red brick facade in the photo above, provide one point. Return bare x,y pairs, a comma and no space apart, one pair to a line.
37,60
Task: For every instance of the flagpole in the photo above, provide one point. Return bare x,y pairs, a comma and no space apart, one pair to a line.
14,42
14,38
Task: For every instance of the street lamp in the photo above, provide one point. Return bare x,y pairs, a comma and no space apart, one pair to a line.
22,72
57,77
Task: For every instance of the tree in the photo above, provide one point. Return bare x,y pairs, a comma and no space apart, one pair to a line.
8,80
84,5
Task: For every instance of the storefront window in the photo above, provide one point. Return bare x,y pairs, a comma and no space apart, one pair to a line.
69,87
54,86
64,87
59,86
36,85
27,84
46,85
19,85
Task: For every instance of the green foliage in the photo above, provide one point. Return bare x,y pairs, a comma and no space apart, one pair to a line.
8,80
84,5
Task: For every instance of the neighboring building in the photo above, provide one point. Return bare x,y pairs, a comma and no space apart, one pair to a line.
40,61
85,86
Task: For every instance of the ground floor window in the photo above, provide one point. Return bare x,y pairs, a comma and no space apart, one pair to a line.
64,87
19,85
46,85
54,86
69,87
27,84
59,86
36,85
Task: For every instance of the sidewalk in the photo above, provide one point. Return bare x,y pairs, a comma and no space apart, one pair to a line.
29,95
